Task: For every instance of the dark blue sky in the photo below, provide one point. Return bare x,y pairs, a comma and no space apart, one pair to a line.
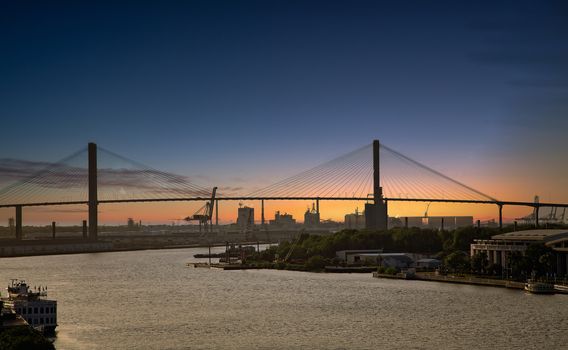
224,87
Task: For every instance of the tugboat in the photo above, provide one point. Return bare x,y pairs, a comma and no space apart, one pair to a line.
33,306
539,287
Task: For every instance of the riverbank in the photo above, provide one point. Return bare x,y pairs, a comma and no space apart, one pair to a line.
429,277
284,266
476,281
14,249
267,266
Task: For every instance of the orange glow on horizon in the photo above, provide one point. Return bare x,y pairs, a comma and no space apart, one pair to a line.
168,213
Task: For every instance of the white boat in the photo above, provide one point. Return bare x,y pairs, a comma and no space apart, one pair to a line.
539,287
33,306
562,289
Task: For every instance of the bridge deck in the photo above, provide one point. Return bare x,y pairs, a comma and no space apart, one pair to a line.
237,198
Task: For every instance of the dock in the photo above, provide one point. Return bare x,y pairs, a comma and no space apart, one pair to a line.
224,266
350,269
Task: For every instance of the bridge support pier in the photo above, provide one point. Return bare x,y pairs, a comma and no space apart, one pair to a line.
384,216
19,234
217,214
85,233
93,199
500,217
53,229
262,213
536,215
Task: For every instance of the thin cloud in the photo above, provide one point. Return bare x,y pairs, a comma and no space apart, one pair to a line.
61,180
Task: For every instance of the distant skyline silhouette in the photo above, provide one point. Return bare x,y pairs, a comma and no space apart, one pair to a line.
247,93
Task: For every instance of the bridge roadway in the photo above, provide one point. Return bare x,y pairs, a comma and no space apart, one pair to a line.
243,198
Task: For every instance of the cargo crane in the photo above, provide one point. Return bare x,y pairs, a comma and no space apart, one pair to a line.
425,221
553,216
291,250
204,214
427,207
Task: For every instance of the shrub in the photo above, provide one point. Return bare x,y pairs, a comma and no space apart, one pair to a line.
23,338
391,271
316,262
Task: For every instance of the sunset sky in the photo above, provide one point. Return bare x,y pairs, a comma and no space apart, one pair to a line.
242,94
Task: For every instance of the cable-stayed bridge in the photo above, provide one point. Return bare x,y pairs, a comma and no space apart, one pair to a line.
374,173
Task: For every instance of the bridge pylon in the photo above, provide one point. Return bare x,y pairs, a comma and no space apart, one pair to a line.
376,216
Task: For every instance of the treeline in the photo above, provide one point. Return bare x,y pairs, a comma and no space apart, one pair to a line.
452,247
411,240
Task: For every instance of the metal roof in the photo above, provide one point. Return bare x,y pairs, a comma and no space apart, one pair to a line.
428,260
396,256
542,235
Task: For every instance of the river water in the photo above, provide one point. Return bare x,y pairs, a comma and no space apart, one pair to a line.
151,300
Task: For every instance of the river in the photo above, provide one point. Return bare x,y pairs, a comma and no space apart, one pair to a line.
151,300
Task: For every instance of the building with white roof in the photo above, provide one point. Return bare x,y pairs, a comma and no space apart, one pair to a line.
499,247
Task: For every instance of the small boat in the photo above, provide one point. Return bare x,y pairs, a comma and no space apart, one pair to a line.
539,287
561,289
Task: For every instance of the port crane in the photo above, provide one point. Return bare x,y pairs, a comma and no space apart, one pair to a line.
204,215
425,217
553,216
427,207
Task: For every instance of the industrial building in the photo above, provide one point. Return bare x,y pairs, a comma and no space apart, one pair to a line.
434,222
245,217
375,256
427,263
311,217
131,224
499,247
355,221
376,215
348,255
282,219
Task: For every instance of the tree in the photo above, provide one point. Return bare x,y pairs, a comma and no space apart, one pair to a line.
540,259
479,263
457,261
494,269
518,264
23,338
461,238
316,262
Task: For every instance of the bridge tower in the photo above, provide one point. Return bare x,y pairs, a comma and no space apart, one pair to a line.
93,198
376,216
